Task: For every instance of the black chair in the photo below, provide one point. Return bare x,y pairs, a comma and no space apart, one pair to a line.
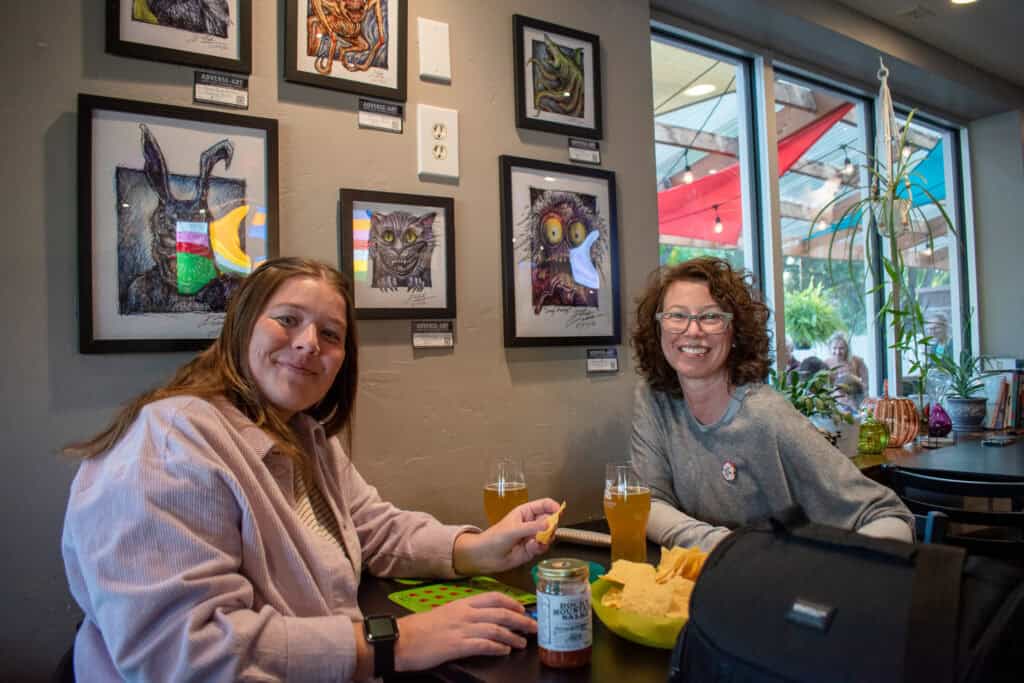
1002,534
931,528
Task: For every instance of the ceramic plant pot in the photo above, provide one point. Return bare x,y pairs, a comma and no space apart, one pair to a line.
968,414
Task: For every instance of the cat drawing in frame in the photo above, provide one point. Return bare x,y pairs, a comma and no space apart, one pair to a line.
400,248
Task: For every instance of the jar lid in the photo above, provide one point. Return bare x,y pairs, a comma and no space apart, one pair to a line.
563,568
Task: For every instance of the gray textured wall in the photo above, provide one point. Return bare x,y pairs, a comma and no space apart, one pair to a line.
426,422
997,169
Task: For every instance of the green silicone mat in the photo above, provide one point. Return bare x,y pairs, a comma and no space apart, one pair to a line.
424,598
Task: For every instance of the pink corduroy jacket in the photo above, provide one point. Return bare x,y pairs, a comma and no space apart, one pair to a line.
183,549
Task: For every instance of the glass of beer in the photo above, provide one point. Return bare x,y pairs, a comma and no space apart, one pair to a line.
505,488
627,504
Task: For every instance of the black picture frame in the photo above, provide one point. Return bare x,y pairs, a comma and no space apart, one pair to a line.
581,50
545,302
374,301
143,167
388,82
143,40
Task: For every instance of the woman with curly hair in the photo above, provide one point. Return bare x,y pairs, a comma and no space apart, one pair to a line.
717,447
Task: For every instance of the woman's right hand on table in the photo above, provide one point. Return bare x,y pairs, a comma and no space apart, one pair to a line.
486,624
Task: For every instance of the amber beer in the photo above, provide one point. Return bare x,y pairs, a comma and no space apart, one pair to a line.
500,498
627,509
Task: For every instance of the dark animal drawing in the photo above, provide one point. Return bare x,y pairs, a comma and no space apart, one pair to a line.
156,289
557,78
342,30
400,246
198,16
557,223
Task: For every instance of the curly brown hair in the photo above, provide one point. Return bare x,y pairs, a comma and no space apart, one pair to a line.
734,291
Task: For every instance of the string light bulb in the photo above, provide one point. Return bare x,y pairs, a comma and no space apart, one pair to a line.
687,172
847,164
718,222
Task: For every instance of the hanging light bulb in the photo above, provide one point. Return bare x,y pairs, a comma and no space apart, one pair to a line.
718,222
847,164
687,172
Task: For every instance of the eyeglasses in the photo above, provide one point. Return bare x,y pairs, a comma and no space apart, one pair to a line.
711,322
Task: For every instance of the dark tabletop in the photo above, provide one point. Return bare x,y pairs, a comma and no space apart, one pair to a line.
612,659
968,458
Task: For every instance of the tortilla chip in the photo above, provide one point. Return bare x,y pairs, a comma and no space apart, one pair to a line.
661,592
612,598
651,599
624,571
548,533
684,562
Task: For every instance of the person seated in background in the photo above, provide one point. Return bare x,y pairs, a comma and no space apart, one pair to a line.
809,367
842,362
937,327
718,447
217,529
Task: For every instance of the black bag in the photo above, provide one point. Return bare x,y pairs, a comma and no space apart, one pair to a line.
789,600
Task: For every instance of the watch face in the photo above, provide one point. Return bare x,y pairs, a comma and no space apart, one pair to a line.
381,628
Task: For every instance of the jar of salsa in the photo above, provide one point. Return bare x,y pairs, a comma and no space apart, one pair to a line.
564,628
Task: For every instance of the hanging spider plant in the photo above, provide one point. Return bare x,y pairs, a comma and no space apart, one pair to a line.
888,206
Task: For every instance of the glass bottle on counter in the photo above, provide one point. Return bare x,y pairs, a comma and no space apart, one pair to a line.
873,436
564,627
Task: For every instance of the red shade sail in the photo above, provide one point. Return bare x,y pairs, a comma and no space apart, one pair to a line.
689,210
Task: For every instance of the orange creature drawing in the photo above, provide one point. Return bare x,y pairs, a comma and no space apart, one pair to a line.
340,23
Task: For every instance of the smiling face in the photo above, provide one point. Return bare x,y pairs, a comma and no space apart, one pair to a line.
298,344
839,349
694,354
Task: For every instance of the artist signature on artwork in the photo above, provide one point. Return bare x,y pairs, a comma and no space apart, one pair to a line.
213,321
577,318
417,299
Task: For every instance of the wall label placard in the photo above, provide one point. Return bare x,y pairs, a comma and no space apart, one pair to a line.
584,151
380,115
603,360
432,334
221,89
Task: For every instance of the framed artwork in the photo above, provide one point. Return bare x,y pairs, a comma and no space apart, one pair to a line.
557,77
358,47
175,206
399,251
211,34
559,253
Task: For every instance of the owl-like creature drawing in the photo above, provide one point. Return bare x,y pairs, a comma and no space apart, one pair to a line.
567,246
400,247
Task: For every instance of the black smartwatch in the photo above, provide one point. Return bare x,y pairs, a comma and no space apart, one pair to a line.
381,632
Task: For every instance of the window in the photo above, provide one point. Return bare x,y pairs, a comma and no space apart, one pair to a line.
930,251
822,140
702,135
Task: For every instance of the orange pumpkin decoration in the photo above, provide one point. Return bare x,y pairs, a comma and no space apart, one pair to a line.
899,415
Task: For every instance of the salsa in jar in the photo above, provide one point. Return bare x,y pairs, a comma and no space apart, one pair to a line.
564,627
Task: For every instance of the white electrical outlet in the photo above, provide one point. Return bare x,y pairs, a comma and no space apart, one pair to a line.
437,141
435,55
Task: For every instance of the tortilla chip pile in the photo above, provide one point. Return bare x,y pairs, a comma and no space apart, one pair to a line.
548,533
661,592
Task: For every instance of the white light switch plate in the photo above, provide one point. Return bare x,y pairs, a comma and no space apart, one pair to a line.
437,141
435,54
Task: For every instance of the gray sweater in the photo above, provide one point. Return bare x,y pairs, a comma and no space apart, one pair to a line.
774,457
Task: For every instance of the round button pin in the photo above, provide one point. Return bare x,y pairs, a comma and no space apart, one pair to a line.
729,471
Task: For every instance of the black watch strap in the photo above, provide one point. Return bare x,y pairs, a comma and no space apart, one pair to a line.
383,658
381,632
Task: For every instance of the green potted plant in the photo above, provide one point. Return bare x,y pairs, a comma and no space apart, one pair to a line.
810,316
815,397
887,203
965,405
